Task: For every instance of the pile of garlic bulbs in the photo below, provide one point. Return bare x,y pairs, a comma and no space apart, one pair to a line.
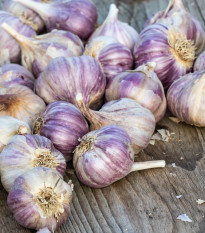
86,95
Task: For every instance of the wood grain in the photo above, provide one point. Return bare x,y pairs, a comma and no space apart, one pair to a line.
143,202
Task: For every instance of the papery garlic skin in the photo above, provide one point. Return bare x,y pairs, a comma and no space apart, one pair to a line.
9,48
136,120
9,127
63,78
168,48
24,152
76,16
20,102
103,156
112,27
13,74
186,97
199,64
26,15
113,57
176,15
34,188
63,124
38,51
142,85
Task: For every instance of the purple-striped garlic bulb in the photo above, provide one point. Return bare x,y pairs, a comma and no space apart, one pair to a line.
143,86
14,74
63,124
38,51
64,77
105,156
10,51
40,198
9,127
172,52
186,97
24,152
176,15
136,120
112,27
26,15
76,16
112,56
199,64
20,102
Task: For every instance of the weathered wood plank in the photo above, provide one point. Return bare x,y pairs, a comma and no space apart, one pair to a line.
143,202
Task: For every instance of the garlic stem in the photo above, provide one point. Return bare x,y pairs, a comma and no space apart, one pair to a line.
147,165
89,114
22,40
38,7
177,4
113,13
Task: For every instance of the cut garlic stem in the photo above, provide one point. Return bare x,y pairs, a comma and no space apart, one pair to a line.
22,40
113,12
137,166
174,4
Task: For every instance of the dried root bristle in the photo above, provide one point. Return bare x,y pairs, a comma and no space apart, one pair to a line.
46,1
38,123
2,107
49,202
95,47
183,48
28,21
86,144
44,158
22,130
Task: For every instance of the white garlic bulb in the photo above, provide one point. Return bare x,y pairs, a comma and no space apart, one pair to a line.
9,127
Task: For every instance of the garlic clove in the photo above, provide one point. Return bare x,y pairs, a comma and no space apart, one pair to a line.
76,16
32,190
77,74
20,102
176,15
9,127
142,85
113,57
24,152
112,27
63,124
186,96
39,50
137,121
105,156
12,74
199,64
9,48
26,15
172,51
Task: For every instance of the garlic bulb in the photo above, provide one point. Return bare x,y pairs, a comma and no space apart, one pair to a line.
199,64
63,78
63,124
24,152
40,198
76,16
20,102
12,74
26,15
172,52
178,16
9,48
122,32
38,51
137,121
9,127
143,86
105,156
186,96
113,56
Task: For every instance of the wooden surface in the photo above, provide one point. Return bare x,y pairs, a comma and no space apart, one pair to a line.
143,202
